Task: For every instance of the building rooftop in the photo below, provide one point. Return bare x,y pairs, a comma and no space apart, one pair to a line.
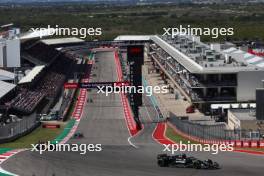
198,57
58,41
5,88
32,74
249,58
6,75
133,37
37,34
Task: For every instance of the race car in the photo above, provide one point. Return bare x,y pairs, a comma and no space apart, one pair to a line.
77,135
182,161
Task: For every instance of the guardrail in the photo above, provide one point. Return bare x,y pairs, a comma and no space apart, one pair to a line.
214,134
14,130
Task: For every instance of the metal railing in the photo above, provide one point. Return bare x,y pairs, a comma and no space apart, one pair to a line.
11,131
216,131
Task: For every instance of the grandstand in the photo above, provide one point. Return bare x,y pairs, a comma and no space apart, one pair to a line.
46,67
42,85
40,53
26,101
51,83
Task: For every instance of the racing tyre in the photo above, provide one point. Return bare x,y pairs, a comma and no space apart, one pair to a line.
197,165
216,165
162,163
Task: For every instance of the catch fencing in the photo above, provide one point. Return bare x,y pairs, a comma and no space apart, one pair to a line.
215,131
11,131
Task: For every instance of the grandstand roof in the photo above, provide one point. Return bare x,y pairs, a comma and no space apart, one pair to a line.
62,41
38,34
6,75
5,88
133,37
32,74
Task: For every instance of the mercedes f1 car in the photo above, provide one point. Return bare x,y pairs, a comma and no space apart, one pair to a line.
182,161
77,135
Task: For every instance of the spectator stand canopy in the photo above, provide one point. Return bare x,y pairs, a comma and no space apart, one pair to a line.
133,38
5,88
62,41
37,34
32,74
6,75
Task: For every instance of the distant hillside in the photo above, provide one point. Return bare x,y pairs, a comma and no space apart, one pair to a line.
30,1
133,1
96,1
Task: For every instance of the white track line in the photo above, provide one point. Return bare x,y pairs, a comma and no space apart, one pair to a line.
128,139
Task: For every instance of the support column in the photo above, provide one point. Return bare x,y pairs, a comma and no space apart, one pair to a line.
219,90
205,77
219,77
204,91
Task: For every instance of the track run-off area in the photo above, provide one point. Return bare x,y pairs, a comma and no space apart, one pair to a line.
108,120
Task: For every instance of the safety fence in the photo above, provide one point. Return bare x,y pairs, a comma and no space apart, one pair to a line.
216,133
14,130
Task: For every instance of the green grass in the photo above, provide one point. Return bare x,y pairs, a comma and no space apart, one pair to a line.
43,134
247,20
65,132
3,150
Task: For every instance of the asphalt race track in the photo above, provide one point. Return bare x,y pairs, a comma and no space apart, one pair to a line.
103,122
